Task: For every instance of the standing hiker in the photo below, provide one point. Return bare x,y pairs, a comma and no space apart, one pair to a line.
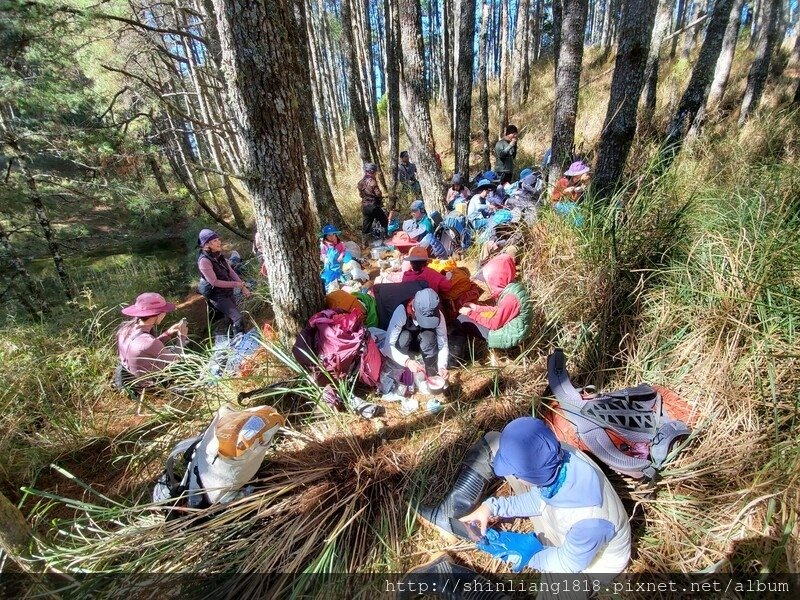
504,152
371,200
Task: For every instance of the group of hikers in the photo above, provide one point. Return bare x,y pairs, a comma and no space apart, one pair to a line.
579,522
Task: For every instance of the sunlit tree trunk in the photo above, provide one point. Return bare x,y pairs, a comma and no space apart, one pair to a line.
258,43
759,69
462,105
626,86
414,103
568,75
484,92
660,28
725,61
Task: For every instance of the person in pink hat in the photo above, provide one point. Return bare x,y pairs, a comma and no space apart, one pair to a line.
573,184
141,352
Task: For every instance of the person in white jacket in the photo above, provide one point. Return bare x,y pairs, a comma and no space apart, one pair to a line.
418,325
579,522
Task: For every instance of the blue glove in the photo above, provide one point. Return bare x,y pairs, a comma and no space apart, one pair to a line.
515,548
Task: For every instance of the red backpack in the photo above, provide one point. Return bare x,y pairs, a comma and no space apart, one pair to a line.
338,342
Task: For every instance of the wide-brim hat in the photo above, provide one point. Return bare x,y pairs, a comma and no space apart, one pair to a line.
148,304
484,184
577,168
417,254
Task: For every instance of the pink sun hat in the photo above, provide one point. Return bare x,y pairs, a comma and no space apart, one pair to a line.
148,304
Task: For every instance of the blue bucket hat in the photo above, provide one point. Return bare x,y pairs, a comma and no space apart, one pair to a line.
417,205
525,172
483,184
491,176
530,451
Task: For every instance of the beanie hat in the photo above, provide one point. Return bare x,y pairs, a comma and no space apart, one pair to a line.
205,236
530,451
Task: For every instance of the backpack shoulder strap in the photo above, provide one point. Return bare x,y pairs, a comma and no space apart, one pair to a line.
186,448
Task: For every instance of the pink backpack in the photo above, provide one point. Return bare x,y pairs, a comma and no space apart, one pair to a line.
341,343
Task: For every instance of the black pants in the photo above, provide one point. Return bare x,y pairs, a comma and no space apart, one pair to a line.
470,328
371,213
228,317
424,341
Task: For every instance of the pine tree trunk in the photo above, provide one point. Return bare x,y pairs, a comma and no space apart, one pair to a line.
568,75
519,57
662,22
696,93
679,21
505,62
257,43
158,174
414,102
320,191
392,91
759,69
755,26
462,105
725,61
482,82
558,12
690,37
619,127
447,66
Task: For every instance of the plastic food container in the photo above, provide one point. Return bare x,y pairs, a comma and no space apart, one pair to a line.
376,253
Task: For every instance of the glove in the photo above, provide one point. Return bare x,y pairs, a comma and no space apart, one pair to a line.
515,548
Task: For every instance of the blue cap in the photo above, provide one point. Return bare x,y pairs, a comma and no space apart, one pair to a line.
417,205
525,172
483,184
330,229
491,176
530,451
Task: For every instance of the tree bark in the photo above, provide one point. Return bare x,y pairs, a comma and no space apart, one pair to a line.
662,22
690,37
392,91
558,12
696,93
462,104
725,61
505,62
568,75
759,69
626,87
519,58
679,21
29,293
325,205
755,26
255,40
414,102
158,175
447,65
482,82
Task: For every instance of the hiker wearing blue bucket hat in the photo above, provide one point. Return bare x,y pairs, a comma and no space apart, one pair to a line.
579,522
330,244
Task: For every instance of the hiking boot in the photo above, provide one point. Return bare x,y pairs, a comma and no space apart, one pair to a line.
442,578
474,479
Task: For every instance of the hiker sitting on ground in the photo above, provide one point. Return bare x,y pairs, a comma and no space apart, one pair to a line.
504,152
457,192
508,323
477,210
513,187
407,173
330,245
580,524
418,325
219,280
371,200
421,223
140,352
573,184
418,258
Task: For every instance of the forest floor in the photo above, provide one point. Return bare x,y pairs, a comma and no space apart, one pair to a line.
695,289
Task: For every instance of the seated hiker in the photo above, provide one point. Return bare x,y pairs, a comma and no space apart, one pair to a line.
141,352
580,524
457,193
418,325
418,258
330,245
527,197
513,187
407,173
218,280
477,210
573,184
508,323
420,228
